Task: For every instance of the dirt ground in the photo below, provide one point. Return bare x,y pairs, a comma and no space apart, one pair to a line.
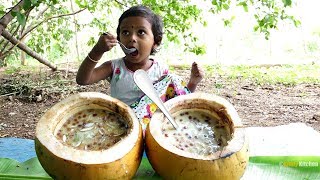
25,97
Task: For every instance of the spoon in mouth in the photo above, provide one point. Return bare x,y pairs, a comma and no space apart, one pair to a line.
143,81
123,47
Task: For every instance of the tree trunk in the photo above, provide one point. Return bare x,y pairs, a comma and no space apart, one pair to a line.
22,53
26,49
23,58
4,21
75,31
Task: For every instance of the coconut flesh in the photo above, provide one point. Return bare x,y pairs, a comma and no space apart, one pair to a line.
89,136
205,146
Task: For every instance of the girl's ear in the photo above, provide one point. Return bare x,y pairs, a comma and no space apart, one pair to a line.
155,46
155,49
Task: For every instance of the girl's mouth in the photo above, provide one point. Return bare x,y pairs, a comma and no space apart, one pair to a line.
135,53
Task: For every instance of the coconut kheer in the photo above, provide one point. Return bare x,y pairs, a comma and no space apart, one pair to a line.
93,129
199,132
205,146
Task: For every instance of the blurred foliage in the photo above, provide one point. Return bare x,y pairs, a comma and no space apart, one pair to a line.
46,21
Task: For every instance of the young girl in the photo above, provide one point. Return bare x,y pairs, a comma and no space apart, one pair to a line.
141,29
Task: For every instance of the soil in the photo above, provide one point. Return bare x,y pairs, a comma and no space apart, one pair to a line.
26,96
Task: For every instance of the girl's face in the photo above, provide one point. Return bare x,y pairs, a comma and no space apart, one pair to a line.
136,32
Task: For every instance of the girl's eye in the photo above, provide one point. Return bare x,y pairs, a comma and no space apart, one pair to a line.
141,32
125,33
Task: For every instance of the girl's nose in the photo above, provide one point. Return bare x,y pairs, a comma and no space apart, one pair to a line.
133,37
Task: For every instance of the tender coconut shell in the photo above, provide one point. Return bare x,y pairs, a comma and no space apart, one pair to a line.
120,161
173,163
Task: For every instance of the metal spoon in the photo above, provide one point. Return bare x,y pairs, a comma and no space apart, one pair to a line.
143,81
123,47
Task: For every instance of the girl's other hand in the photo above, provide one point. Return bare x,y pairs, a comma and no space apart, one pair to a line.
105,43
196,76
197,73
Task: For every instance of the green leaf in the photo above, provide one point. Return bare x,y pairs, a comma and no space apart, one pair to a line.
145,171
264,167
30,169
244,5
214,2
225,6
34,2
14,13
198,50
21,19
204,23
287,167
7,164
26,4
2,12
226,22
297,23
82,4
287,3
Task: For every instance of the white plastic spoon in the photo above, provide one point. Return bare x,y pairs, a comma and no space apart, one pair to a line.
143,81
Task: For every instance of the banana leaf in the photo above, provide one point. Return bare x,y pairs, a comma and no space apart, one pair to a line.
30,169
259,167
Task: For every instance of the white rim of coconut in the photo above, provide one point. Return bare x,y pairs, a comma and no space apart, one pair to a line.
48,123
213,102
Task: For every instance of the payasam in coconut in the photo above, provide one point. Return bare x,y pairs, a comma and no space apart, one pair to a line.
206,145
89,136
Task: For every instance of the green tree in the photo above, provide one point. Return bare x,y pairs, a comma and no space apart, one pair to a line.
49,21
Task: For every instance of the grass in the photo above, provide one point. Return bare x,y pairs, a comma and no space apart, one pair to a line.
277,74
284,74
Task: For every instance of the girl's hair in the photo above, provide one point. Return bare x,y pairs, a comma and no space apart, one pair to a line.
152,18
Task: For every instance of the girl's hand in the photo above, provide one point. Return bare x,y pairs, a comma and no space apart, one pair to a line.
197,73
196,76
105,43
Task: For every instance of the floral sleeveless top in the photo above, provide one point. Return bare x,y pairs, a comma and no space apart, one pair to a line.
124,88
122,83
